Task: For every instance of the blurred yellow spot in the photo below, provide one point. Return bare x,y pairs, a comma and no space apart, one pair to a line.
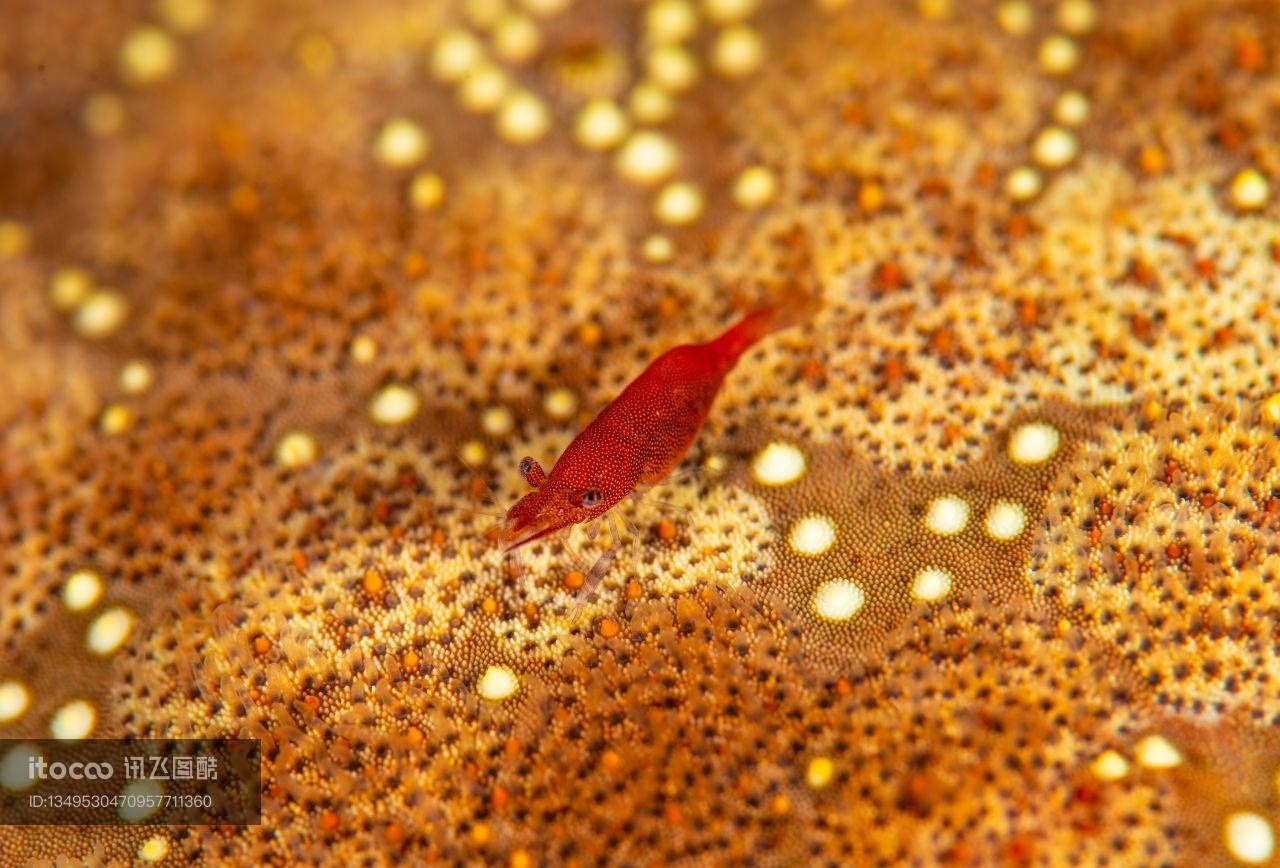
364,349
729,11
1071,109
1109,766
1058,55
296,449
1271,409
601,125
649,103
69,288
83,588
102,115
484,88
101,313
14,238
754,187
737,51
560,404
1022,184
394,405
497,421
679,204
1155,752
647,157
186,16
658,249
473,453
115,419
136,377
1250,190
523,118
401,143
516,38
820,772
457,53
672,67
147,55
426,191
1014,17
670,20
1054,148
1077,16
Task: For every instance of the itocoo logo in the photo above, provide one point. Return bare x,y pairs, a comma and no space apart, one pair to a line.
39,770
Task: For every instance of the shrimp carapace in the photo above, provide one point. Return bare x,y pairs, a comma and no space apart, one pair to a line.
643,433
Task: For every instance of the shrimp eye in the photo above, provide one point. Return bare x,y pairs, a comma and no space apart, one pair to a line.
532,471
591,498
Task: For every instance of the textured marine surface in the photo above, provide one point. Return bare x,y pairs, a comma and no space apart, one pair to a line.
980,567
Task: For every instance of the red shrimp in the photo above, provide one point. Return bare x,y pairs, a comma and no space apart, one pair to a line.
643,433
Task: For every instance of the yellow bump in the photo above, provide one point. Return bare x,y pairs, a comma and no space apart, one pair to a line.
14,700
601,125
1022,184
820,772
934,10
426,191
546,8
1071,109
140,799
670,20
473,454
101,313
484,14
1058,54
679,204
1077,16
737,51
13,239
154,849
109,631
484,88
15,765
497,421
316,54
1250,190
1109,766
186,16
364,349
1271,409
812,535
148,55
650,104
69,288
931,584
729,11
778,464
136,377
838,600
296,449
754,187
1033,443
394,405
115,419
401,143
1054,148
672,67
560,403
946,515
715,464
516,38
1005,520
83,588
1155,752
497,683
456,54
73,721
1249,837
102,115
1014,17
523,118
658,249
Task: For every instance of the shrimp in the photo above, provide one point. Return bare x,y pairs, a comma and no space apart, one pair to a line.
643,433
